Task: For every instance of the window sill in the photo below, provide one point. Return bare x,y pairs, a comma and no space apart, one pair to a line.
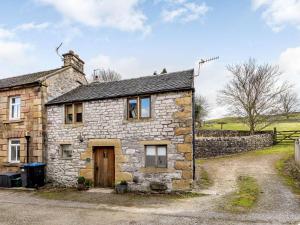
73,125
66,158
156,170
12,164
13,121
138,120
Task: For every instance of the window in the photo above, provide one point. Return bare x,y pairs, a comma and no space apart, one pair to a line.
139,108
14,151
15,105
78,113
66,151
156,156
73,113
132,108
145,107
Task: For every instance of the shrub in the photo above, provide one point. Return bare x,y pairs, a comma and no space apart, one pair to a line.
123,182
81,180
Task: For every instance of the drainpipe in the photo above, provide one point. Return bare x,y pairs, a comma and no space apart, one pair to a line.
27,137
193,127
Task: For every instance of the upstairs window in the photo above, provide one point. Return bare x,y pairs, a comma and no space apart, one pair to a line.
15,108
139,108
156,156
73,113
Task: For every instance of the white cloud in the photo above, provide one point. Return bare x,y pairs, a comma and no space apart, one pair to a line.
184,11
32,26
119,14
128,67
279,13
5,33
289,64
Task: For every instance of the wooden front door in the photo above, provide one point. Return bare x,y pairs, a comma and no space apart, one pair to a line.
104,167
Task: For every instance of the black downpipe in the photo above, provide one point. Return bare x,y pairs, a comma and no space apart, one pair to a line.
27,147
193,125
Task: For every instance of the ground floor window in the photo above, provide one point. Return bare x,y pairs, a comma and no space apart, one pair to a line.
156,156
14,150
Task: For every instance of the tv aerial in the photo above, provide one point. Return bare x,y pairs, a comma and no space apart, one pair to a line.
57,51
203,61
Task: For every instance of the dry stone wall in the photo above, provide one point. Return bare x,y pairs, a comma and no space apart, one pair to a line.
206,147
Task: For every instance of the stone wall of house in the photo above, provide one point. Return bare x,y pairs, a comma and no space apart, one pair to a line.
105,124
30,121
206,147
63,82
33,117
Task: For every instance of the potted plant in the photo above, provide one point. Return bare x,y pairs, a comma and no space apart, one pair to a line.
122,187
81,183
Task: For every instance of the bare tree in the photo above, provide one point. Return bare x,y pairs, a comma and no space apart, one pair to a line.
201,108
253,93
106,75
289,102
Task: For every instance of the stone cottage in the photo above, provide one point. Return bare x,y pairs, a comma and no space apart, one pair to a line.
23,114
139,130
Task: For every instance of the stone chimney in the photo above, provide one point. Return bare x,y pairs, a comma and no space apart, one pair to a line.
72,59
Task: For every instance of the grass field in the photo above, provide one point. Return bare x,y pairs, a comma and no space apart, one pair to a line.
232,123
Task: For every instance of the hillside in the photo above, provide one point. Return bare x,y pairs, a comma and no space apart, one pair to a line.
233,123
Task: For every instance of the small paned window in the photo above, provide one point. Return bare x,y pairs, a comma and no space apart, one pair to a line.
78,112
145,107
73,113
14,151
156,156
15,107
132,108
139,108
66,151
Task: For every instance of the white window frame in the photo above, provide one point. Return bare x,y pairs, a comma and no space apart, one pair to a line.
62,147
18,105
9,150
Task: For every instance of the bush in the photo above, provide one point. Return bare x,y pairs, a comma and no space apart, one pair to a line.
123,182
81,180
88,183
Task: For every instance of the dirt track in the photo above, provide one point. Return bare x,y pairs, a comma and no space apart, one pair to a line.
277,204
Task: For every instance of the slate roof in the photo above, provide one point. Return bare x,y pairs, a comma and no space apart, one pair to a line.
176,81
25,79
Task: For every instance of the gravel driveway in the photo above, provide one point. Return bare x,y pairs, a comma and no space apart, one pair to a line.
277,204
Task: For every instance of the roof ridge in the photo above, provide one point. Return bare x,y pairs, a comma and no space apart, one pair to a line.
135,78
30,74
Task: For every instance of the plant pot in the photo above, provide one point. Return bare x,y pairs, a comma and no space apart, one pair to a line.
81,187
121,188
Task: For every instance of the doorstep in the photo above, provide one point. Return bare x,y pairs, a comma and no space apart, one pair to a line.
101,190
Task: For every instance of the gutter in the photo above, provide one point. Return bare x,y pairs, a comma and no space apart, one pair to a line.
193,127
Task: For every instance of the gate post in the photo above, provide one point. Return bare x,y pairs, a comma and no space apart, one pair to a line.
297,151
275,136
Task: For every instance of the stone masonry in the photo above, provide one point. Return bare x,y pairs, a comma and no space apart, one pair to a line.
105,124
33,115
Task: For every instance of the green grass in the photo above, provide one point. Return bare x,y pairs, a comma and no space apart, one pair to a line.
280,126
290,172
233,123
245,197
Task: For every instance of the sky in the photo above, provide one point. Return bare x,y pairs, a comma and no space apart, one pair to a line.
138,37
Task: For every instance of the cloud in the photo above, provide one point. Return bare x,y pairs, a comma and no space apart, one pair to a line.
184,11
118,14
279,13
32,26
288,62
5,33
128,67
14,54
